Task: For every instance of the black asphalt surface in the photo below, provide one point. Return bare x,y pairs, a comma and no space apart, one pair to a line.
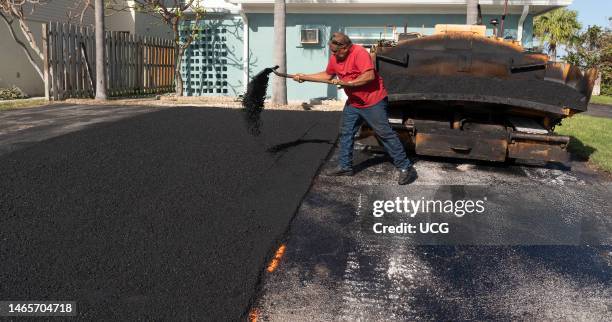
541,250
170,215
599,110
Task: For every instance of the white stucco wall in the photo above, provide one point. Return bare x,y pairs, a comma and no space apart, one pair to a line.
15,69
151,26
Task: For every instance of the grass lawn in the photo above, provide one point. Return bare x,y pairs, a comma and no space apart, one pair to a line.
22,103
591,139
601,99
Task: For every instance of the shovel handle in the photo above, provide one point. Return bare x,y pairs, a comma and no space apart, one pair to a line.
305,80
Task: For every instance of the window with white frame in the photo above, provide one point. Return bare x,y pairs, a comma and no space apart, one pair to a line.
368,36
309,36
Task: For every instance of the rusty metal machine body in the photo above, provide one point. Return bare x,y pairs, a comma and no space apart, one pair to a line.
460,94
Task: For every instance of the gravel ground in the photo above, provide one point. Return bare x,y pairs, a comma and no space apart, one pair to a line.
166,215
211,101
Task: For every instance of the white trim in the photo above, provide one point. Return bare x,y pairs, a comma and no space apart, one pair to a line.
312,42
379,8
357,38
245,49
521,22
418,2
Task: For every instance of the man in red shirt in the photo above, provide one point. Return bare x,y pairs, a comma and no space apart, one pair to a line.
367,101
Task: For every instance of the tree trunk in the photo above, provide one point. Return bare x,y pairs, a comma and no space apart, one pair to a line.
472,12
100,46
178,58
178,78
279,85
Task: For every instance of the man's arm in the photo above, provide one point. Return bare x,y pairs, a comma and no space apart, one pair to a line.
363,63
362,79
322,76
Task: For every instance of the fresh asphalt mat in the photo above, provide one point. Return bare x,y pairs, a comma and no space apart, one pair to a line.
167,215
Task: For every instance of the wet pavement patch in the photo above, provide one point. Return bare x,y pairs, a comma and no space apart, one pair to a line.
167,215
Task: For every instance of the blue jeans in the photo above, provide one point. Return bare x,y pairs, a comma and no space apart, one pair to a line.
376,117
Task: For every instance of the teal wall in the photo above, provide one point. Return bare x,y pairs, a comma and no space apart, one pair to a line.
212,64
313,58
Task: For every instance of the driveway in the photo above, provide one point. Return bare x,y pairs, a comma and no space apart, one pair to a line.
599,110
25,126
539,251
175,213
139,213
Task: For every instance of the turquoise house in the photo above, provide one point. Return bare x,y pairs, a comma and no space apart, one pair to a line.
236,38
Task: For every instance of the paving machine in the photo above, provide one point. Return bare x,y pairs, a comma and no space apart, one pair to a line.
461,94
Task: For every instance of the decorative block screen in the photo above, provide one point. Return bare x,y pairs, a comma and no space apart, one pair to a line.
204,66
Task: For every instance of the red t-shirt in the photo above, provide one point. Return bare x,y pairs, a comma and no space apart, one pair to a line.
357,62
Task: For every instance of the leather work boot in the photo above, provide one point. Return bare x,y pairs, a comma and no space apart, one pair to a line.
339,172
407,176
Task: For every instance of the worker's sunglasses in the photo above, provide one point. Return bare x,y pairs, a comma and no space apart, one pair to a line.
336,43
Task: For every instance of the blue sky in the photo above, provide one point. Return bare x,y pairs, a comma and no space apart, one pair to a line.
593,12
590,12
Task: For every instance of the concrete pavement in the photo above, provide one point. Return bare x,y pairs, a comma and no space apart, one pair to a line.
25,126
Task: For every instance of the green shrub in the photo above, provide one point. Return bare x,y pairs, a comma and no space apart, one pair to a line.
12,93
606,90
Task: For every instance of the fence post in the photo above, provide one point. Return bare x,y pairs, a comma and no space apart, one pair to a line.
87,66
45,45
55,71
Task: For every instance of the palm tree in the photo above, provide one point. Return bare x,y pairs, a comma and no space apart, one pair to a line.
100,68
279,85
557,27
472,12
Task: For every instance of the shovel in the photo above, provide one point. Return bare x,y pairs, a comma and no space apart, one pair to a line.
253,99
303,79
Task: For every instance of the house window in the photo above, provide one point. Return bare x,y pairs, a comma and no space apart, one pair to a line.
368,36
309,36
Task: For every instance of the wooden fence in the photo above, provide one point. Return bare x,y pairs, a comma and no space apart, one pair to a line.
134,64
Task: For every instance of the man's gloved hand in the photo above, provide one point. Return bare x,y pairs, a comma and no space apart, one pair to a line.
297,78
